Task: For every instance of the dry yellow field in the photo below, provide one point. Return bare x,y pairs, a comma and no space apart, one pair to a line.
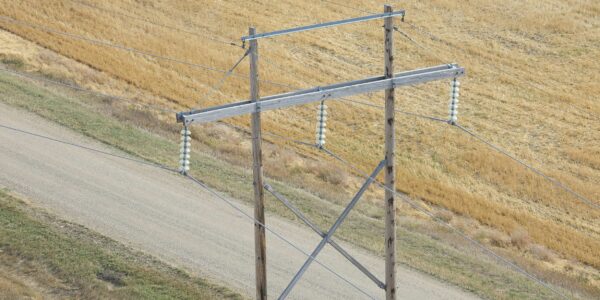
532,88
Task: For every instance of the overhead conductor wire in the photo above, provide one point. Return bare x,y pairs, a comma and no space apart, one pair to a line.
201,184
112,45
77,88
449,226
473,134
112,11
129,49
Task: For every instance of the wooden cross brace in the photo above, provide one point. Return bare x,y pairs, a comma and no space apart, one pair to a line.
329,234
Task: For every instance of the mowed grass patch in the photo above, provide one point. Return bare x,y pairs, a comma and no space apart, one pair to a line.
42,256
418,251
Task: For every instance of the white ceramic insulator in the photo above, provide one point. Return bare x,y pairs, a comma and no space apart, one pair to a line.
185,148
453,106
321,124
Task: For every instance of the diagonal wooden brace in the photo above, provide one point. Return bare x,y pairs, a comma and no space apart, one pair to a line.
331,231
316,229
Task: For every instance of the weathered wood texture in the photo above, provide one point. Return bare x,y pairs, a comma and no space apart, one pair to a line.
260,244
390,205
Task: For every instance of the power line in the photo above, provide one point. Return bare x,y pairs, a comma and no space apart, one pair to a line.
435,38
219,84
438,39
160,166
204,36
137,51
132,102
531,168
500,150
348,6
281,237
74,87
405,35
457,231
200,183
246,131
437,219
397,110
112,45
130,49
445,224
350,100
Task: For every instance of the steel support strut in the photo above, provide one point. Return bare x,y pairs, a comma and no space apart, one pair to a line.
331,231
316,229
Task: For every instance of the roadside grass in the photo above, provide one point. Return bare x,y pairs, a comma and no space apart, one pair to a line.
462,266
44,257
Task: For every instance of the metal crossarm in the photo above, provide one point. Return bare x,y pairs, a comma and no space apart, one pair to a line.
322,93
331,231
316,229
323,25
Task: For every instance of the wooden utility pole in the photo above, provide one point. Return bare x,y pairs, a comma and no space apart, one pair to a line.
260,243
390,205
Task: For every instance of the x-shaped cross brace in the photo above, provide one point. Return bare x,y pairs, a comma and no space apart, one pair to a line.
329,234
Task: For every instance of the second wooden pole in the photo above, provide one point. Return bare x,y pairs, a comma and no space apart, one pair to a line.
390,205
260,243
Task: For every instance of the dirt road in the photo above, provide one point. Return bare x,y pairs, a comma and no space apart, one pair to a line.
169,217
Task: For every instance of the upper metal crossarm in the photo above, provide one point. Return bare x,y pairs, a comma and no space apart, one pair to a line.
323,25
322,93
